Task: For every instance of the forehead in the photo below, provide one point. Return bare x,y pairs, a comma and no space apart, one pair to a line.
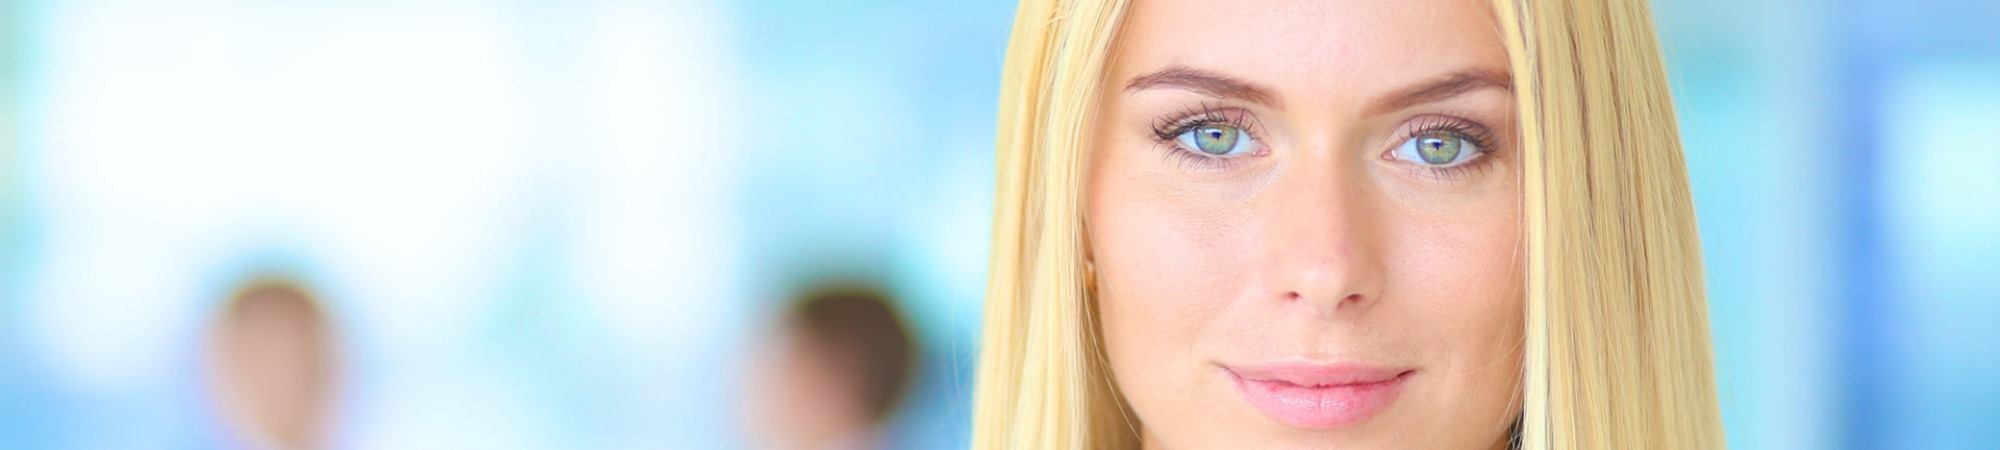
1311,49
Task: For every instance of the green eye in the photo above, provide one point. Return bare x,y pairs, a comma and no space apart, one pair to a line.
1441,142
1438,148
1215,139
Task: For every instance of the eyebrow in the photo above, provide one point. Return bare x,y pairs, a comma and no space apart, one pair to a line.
1222,86
1205,83
1441,88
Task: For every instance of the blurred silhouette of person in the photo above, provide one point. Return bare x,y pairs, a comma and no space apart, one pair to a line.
831,372
271,367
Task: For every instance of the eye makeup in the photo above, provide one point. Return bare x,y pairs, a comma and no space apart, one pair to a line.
1168,132
1484,140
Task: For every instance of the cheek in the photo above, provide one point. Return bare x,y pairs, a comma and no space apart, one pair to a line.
1469,293
1166,269
1459,261
1161,269
1461,278
1465,266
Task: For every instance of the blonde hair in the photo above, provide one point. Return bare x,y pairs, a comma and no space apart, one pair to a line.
1617,347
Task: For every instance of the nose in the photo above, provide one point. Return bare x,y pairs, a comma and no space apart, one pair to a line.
1324,250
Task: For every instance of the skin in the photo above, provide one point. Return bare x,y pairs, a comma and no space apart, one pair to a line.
1324,245
272,369
802,396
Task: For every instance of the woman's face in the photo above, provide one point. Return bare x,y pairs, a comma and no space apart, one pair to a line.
1305,222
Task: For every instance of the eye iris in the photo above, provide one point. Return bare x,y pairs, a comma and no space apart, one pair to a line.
1438,148
1216,139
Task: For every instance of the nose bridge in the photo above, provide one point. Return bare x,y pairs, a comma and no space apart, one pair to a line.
1321,215
1313,209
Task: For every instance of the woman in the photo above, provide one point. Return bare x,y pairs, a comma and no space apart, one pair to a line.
1341,224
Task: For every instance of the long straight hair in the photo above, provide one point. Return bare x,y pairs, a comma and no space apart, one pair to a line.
1617,345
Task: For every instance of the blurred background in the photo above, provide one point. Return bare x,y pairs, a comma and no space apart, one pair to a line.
578,224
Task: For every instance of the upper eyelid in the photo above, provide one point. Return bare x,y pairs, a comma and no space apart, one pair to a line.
1172,125
1169,127
1483,135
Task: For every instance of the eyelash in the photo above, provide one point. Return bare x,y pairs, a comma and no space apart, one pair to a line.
1167,132
1473,132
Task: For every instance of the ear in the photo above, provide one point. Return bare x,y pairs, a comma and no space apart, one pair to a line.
1089,253
1083,233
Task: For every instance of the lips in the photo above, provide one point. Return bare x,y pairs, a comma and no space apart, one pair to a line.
1319,396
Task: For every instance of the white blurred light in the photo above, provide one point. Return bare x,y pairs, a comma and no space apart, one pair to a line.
398,148
428,408
387,136
654,224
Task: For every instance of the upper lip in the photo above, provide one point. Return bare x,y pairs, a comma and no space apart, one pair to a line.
1315,374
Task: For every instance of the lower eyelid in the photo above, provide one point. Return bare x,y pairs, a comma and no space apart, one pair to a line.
1188,159
1452,173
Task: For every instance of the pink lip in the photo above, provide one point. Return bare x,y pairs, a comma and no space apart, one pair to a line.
1319,396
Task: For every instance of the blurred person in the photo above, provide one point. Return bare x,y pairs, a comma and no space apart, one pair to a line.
272,367
830,372
1434,224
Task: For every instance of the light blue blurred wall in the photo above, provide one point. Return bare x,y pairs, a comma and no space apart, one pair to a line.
1846,225
538,225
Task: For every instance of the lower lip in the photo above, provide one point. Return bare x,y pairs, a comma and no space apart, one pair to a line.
1320,407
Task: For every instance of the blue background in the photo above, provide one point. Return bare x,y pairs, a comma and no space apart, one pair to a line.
560,224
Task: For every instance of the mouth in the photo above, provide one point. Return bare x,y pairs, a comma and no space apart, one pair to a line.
1319,396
